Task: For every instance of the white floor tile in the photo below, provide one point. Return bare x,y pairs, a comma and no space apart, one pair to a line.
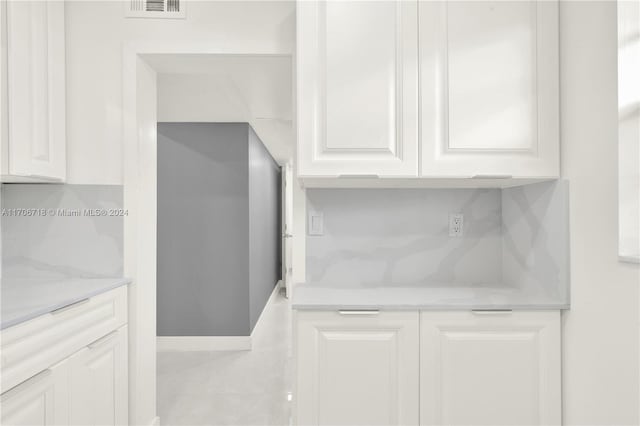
243,388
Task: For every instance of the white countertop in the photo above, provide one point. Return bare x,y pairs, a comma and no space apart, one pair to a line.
22,299
335,297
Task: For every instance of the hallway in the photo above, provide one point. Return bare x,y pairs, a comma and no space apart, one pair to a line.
232,387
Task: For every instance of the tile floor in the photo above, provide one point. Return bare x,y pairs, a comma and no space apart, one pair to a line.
239,388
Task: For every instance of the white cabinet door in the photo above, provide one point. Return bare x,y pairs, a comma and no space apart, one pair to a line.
357,368
489,88
357,92
41,400
99,382
35,345
490,368
4,116
36,91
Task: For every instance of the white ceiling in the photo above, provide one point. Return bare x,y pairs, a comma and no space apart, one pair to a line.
229,88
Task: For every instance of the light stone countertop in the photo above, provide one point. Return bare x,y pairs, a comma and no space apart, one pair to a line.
431,297
22,299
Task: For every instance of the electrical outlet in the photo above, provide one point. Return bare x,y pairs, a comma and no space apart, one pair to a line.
456,224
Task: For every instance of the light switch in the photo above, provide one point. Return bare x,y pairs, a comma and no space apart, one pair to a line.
315,226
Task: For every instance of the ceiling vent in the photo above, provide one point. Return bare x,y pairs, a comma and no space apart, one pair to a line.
169,9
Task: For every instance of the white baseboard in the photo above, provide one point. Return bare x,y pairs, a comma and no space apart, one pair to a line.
210,343
276,290
155,421
203,343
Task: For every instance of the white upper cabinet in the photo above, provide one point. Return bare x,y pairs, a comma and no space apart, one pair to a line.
456,89
489,88
33,70
357,88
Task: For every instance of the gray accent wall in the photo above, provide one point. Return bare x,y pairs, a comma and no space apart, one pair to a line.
203,212
264,225
212,179
68,236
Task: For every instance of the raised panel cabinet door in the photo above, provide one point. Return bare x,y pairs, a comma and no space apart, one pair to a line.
99,382
356,368
4,128
489,88
357,92
490,368
36,89
42,400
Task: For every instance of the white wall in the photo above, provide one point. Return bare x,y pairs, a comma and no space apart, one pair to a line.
140,235
230,97
600,334
629,128
96,32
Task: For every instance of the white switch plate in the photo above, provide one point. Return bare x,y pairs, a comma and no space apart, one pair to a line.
316,224
456,224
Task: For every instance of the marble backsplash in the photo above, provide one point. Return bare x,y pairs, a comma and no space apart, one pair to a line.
66,237
535,239
400,237
516,237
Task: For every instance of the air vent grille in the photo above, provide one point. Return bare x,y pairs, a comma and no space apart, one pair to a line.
171,9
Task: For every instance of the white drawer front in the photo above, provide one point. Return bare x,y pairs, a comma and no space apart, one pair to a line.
33,346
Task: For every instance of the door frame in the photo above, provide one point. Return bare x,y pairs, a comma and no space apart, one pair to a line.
287,227
140,201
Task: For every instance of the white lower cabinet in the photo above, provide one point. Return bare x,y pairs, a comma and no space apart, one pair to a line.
357,368
68,367
428,368
99,388
41,400
490,368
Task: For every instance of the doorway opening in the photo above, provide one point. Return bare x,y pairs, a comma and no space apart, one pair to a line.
203,86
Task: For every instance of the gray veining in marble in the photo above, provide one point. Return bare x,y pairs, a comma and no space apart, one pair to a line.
400,237
535,239
57,246
392,248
